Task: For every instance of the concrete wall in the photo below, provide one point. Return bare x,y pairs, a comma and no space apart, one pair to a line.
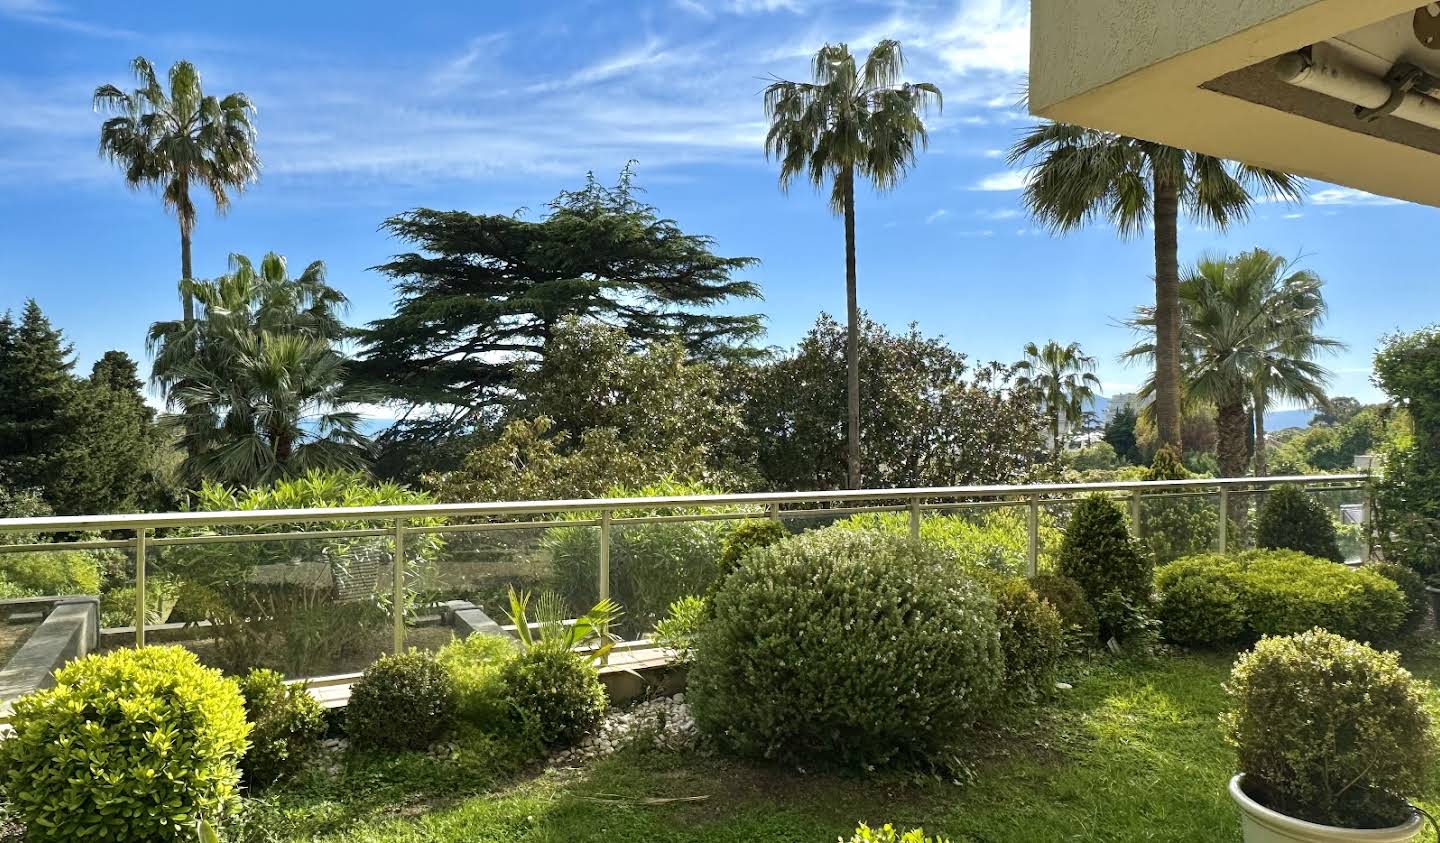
70,631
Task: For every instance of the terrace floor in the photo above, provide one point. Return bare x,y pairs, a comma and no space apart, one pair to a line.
1132,753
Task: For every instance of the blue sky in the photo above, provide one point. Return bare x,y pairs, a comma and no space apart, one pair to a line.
366,109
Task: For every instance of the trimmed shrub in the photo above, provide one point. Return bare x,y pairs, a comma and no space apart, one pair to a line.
1417,600
1293,520
1172,527
287,722
52,573
474,664
888,834
130,745
402,701
556,693
1199,602
681,626
1328,730
1276,592
994,541
1032,638
1099,554
746,536
853,646
1076,614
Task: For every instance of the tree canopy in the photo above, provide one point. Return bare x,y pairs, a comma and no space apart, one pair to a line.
484,291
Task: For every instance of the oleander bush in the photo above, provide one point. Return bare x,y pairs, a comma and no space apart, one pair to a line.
680,627
1274,593
287,726
474,664
1032,638
1292,520
1099,554
136,744
996,540
555,693
1328,730
888,834
857,647
1076,615
402,701
1417,600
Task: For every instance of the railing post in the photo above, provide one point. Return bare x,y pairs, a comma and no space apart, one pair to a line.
1224,518
397,599
604,554
915,520
774,509
1135,513
1032,548
141,542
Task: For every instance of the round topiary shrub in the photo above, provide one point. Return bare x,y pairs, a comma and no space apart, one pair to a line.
1032,638
1076,614
1292,520
131,745
853,646
1199,602
474,664
556,693
1285,592
1328,730
1412,585
400,702
288,724
746,536
1099,554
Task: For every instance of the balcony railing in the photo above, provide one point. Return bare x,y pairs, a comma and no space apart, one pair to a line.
408,534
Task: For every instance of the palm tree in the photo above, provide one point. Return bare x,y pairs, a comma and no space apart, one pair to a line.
1079,174
257,381
1249,326
849,121
1064,378
179,139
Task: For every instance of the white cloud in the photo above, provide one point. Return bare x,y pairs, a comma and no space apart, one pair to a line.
1350,196
454,72
998,214
1008,180
1295,216
49,14
936,215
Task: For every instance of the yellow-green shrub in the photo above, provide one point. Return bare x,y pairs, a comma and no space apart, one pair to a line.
130,745
888,834
52,573
474,663
996,540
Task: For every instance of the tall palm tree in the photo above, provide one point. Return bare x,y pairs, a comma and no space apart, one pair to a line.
1079,174
850,120
1250,339
1064,378
257,381
177,139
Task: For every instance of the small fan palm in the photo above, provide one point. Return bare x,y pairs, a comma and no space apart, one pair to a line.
850,120
1250,339
1064,378
1078,175
259,388
178,139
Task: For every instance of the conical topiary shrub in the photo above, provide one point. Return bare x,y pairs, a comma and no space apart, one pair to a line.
1292,520
1099,554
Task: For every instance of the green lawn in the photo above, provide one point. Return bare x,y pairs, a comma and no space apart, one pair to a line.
1132,753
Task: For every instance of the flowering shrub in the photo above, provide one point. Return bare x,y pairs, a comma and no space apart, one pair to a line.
888,834
856,646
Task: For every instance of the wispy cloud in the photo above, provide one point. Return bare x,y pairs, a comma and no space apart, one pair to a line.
1006,181
52,15
936,216
998,214
1350,196
479,52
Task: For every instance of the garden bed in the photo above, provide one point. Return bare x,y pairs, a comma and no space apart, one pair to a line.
1134,752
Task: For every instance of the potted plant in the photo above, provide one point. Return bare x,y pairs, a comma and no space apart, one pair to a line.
1330,737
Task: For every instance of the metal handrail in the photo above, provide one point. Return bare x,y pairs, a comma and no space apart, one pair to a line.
602,513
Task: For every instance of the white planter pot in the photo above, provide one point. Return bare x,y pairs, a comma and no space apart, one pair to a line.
1262,825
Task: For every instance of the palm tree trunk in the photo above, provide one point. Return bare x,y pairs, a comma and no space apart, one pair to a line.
186,301
1167,313
1262,457
1055,436
1232,430
852,336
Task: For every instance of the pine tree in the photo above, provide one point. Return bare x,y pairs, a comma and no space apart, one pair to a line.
35,389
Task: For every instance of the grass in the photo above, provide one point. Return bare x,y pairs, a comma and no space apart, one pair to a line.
1133,753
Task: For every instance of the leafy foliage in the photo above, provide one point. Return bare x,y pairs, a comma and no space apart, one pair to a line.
888,834
680,628
928,418
1332,448
855,646
1099,554
1077,616
482,289
402,701
1274,593
1292,520
51,573
1175,527
258,381
746,536
1064,381
287,726
549,630
474,664
1328,730
996,540
1032,637
1407,498
85,760
1412,585
555,692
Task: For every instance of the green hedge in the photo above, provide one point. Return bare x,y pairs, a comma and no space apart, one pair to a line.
997,540
1217,599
